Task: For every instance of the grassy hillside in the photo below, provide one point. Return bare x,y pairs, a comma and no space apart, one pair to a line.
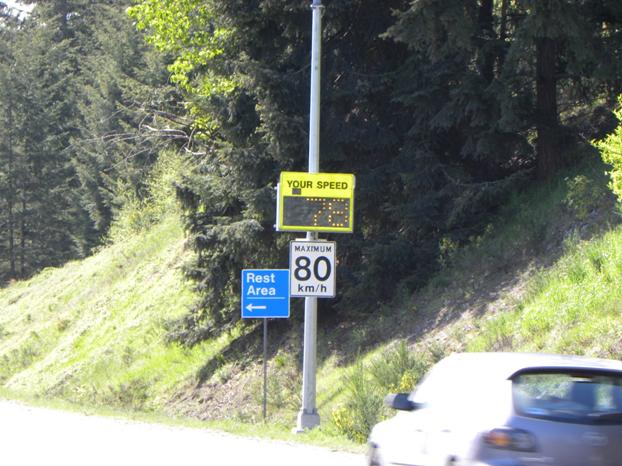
93,331
543,277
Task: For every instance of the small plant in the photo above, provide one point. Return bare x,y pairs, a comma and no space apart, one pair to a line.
359,337
141,212
130,395
583,196
128,356
400,370
63,325
363,408
447,251
283,388
611,153
225,372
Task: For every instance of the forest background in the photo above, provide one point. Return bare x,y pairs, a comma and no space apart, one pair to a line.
443,109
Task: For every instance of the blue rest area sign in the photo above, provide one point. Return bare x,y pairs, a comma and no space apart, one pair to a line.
265,293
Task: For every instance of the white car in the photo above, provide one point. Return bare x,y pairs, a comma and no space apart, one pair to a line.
506,409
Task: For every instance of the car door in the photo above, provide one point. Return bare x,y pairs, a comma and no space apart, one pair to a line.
406,444
422,430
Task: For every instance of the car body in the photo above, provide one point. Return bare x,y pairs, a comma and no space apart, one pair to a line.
506,409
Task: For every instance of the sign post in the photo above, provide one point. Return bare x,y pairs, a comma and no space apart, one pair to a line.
265,295
308,417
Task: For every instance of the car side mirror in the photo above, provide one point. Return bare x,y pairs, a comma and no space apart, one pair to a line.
400,401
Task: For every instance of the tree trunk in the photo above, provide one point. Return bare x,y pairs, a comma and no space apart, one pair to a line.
548,157
22,251
503,34
11,192
486,30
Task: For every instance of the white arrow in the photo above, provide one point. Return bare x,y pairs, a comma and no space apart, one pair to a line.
251,308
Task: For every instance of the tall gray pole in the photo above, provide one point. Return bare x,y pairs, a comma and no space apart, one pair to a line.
308,418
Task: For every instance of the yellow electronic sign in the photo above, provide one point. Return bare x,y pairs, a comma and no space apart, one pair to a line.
316,202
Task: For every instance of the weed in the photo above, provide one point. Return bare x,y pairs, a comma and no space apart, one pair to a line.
282,360
399,370
497,334
359,338
447,251
63,325
21,357
224,372
283,387
363,408
130,395
437,351
128,356
583,195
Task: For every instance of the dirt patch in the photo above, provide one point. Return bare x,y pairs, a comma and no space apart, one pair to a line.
216,399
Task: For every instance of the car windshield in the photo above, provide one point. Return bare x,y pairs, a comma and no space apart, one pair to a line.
569,396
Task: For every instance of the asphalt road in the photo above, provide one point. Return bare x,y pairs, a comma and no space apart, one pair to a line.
35,436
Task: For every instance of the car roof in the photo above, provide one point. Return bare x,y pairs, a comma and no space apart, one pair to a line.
505,365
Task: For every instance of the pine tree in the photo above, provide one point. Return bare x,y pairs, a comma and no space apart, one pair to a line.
8,155
76,83
44,111
481,78
119,83
434,109
248,84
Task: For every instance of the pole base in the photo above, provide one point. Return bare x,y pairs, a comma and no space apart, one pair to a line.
306,421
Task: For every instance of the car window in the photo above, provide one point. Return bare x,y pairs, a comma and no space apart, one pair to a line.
569,396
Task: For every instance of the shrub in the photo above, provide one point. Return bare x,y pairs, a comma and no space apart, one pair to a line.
399,370
583,196
363,408
141,212
611,152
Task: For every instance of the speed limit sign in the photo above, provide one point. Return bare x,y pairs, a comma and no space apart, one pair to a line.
312,268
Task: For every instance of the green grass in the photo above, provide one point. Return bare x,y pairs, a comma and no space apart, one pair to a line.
573,307
91,335
93,331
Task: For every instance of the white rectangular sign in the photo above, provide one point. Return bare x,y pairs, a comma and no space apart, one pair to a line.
312,268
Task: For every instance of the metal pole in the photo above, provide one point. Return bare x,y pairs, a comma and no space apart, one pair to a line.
308,417
265,367
314,110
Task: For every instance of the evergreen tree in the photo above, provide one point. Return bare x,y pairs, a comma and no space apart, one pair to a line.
8,154
481,79
248,83
42,115
73,94
120,82
528,55
458,104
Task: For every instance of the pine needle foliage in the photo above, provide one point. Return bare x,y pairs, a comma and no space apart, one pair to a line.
442,110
